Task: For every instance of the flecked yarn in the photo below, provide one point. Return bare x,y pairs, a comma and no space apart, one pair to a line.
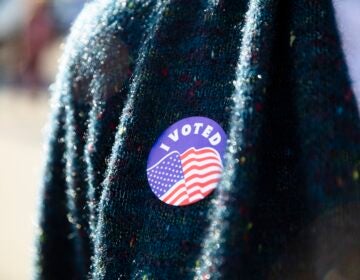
270,72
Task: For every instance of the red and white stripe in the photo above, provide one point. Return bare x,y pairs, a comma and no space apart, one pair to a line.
202,171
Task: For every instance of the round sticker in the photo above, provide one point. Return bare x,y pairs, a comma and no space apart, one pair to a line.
185,163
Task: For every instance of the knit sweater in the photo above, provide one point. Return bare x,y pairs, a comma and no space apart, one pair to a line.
271,74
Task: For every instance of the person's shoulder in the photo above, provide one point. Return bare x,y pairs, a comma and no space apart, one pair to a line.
102,41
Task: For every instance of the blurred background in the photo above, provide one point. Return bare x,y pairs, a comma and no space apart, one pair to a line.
31,37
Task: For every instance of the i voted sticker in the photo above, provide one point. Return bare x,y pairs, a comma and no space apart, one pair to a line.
186,162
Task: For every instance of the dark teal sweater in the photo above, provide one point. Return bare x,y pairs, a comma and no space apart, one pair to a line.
271,74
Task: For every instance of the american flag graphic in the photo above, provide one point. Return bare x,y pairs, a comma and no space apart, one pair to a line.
182,179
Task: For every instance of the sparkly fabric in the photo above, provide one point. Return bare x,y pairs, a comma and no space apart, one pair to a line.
271,73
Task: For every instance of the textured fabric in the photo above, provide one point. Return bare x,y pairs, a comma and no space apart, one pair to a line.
271,73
